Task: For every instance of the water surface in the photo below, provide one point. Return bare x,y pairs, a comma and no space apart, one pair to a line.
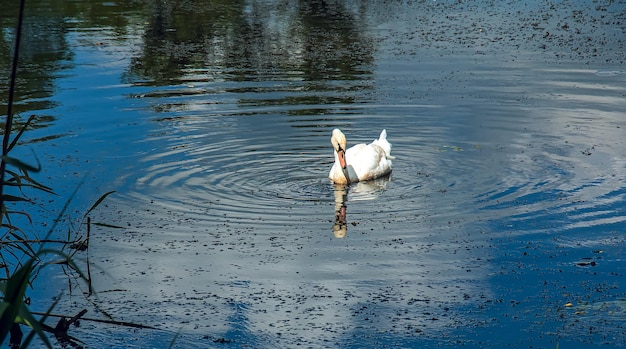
501,224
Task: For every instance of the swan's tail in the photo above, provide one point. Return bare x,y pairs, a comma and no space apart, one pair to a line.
384,144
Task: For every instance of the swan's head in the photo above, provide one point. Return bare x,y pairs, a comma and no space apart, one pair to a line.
338,140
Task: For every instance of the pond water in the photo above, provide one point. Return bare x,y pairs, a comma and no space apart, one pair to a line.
502,224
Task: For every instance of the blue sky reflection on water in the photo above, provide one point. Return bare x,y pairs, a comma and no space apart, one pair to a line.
505,205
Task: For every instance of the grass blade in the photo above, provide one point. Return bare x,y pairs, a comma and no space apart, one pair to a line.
14,298
21,164
97,203
19,134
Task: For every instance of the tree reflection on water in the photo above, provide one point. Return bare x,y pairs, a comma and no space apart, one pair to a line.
315,41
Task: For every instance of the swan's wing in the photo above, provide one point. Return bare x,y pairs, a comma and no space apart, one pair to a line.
368,161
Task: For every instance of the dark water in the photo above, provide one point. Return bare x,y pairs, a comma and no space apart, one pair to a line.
501,225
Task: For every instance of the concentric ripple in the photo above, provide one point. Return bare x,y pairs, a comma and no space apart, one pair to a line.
247,173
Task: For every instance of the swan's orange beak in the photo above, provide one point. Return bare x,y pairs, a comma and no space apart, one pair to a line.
342,158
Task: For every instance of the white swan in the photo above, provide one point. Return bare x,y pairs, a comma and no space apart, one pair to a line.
361,162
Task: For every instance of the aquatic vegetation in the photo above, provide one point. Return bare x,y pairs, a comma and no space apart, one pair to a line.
23,252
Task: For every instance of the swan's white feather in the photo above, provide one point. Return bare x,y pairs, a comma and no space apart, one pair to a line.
363,161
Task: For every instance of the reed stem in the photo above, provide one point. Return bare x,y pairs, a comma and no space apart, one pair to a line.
9,120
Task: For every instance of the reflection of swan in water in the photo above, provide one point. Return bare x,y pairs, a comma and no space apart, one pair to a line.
362,161
340,228
360,191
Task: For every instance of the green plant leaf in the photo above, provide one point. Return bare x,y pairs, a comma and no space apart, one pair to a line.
17,180
30,220
3,307
27,318
21,164
99,201
14,296
19,134
26,248
37,184
67,259
7,197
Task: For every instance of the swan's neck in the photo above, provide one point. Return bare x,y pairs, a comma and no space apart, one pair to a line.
344,171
